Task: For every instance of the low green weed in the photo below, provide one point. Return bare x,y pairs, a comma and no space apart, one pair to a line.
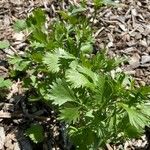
98,105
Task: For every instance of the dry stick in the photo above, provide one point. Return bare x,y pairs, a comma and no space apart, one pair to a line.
109,147
7,115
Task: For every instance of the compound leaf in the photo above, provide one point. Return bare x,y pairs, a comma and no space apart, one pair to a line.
61,93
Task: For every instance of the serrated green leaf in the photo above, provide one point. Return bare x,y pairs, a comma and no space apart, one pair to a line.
63,54
4,44
145,90
73,64
61,93
19,25
77,79
37,56
5,83
39,16
136,118
100,89
52,59
39,36
52,62
86,48
37,19
18,63
69,114
145,109
37,44
89,73
78,10
35,133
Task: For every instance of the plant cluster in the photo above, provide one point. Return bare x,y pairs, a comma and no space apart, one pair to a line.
97,104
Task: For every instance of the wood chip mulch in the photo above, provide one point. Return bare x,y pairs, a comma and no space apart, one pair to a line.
125,31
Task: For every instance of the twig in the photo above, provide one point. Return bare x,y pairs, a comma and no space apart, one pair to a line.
7,115
109,147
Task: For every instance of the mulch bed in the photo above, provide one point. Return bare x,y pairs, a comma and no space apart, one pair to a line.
124,29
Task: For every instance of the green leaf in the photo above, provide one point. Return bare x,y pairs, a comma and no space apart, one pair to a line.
37,44
2,82
89,114
35,133
69,114
4,44
136,118
40,16
19,63
52,62
131,131
77,79
61,93
145,90
19,25
5,83
37,19
40,36
63,54
93,77
86,48
145,109
78,10
98,3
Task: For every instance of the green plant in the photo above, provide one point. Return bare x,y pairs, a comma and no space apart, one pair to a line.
19,25
98,105
35,132
5,83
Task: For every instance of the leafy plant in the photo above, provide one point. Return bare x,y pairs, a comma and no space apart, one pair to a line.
98,106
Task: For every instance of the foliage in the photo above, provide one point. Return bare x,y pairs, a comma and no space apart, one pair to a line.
19,25
35,133
5,83
97,105
4,44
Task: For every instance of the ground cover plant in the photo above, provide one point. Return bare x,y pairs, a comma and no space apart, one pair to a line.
97,104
